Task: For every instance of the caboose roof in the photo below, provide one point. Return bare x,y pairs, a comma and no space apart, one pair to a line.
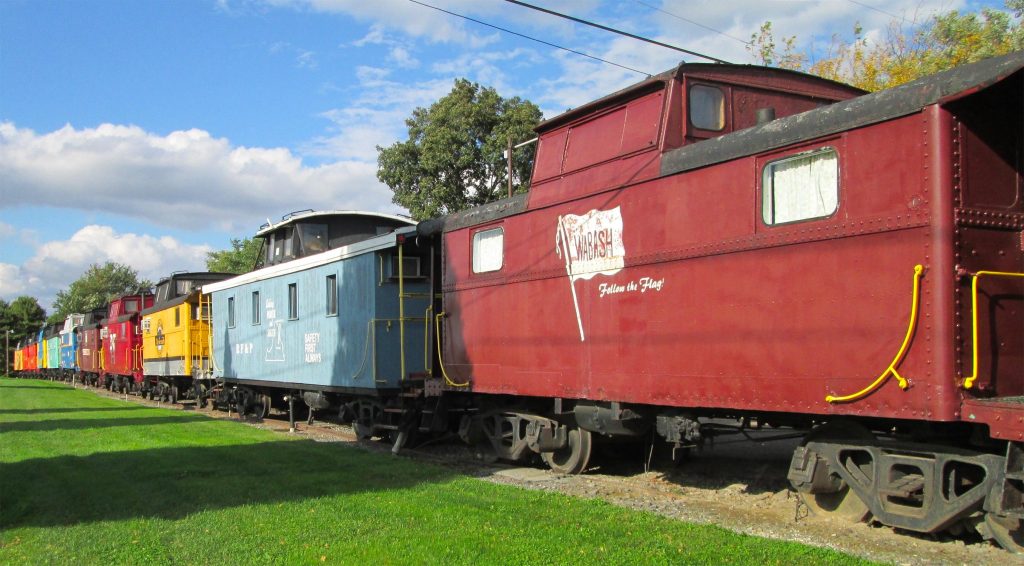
382,242
294,217
752,75
843,116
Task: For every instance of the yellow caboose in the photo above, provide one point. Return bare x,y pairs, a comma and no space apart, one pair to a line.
176,338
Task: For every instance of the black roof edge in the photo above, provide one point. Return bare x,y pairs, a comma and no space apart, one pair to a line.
167,304
473,216
843,116
203,275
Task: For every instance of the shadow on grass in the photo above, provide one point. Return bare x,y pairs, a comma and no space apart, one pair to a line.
48,388
171,483
46,410
73,424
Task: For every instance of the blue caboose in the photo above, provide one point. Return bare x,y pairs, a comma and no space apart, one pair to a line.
337,310
69,346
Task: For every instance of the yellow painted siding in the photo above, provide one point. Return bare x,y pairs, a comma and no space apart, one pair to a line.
175,334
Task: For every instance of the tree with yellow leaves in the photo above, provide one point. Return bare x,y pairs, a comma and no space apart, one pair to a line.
945,41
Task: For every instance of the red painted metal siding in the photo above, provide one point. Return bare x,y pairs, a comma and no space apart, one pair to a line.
747,316
123,343
89,353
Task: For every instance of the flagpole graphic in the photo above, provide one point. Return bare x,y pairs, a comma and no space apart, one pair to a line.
591,244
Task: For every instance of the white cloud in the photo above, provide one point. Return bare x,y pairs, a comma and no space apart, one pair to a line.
401,57
411,19
55,264
184,179
304,58
376,116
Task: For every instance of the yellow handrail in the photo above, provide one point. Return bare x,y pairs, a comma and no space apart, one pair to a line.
440,361
903,383
969,381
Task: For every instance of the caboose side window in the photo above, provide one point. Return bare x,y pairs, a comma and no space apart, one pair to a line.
231,312
293,301
255,307
801,187
707,107
332,295
488,250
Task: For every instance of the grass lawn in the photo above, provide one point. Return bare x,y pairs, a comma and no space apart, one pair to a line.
90,480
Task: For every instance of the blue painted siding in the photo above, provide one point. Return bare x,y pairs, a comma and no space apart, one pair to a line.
357,348
53,352
69,351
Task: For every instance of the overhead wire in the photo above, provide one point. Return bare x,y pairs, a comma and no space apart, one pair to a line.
524,36
617,31
881,11
689,21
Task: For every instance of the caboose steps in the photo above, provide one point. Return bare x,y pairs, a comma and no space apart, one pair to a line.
1003,415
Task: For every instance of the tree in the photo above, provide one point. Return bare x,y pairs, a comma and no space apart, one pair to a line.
943,42
23,315
96,287
454,157
241,258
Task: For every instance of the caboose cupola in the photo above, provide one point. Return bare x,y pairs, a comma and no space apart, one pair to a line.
305,233
618,140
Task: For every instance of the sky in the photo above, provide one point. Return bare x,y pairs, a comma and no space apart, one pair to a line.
150,132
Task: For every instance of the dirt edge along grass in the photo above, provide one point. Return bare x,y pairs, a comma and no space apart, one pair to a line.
87,479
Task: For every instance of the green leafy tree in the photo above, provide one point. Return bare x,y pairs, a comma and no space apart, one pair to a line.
23,315
96,287
241,258
904,54
454,157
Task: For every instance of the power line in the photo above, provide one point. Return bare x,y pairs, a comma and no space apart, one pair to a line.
881,11
613,30
549,44
689,21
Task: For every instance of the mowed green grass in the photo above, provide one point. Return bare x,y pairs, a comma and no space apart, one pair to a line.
90,480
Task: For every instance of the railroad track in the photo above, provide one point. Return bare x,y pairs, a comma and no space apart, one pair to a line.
738,486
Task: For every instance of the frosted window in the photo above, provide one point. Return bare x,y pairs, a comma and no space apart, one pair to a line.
801,187
332,295
707,108
488,250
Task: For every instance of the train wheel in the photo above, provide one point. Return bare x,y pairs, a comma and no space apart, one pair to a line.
200,393
574,457
845,503
172,395
261,407
1007,531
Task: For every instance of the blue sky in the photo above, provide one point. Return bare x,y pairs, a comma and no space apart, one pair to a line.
151,132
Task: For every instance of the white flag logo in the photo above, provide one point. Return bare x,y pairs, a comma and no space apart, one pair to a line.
591,244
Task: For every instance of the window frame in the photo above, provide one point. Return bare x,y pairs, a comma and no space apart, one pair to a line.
765,166
473,249
721,89
331,282
293,301
256,318
231,312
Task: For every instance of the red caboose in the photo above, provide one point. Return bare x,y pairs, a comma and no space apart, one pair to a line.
121,339
675,260
91,355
